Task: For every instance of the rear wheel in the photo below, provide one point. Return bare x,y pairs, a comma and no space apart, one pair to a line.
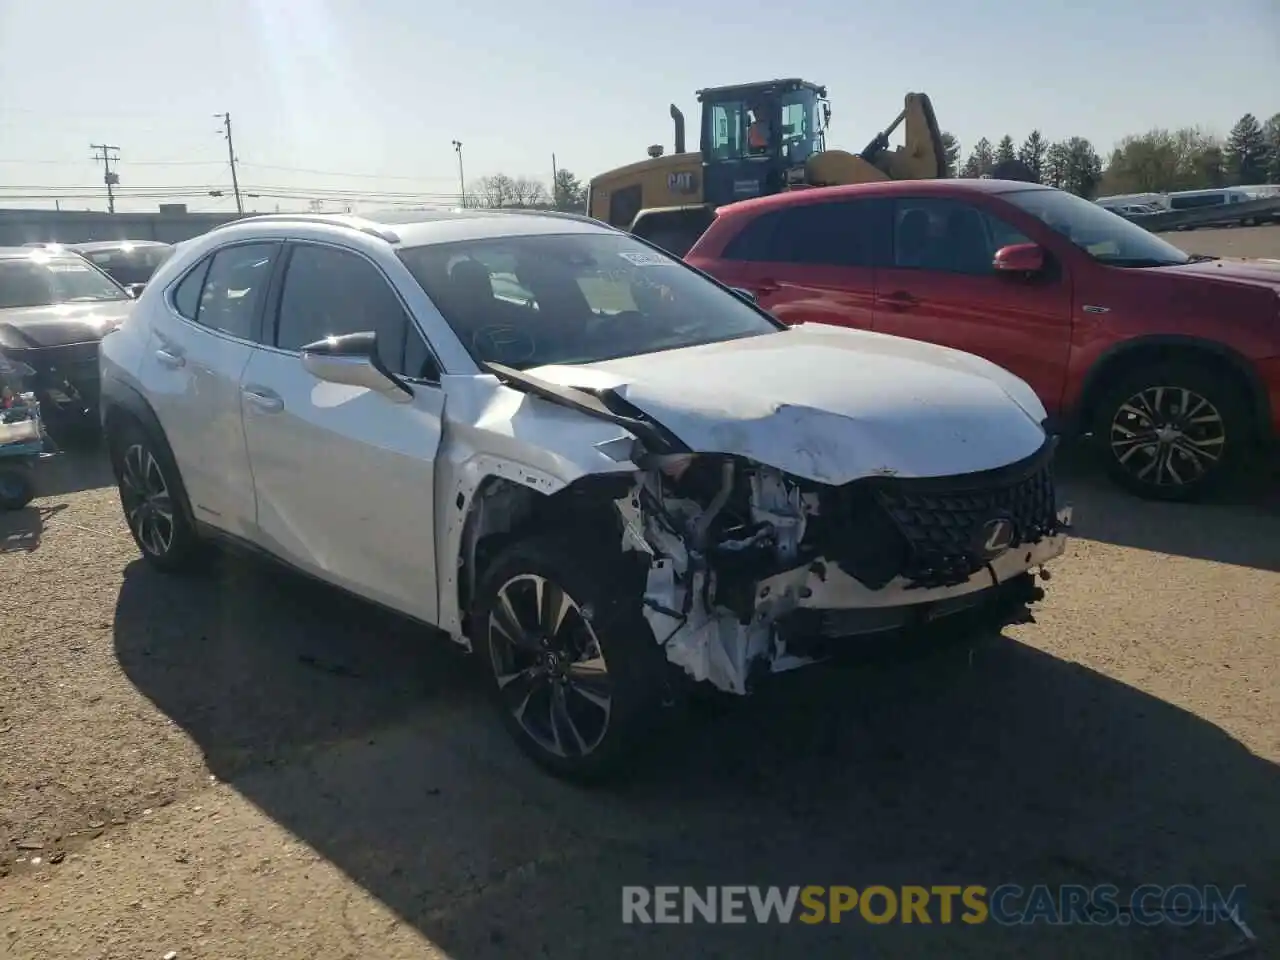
153,499
576,673
1172,431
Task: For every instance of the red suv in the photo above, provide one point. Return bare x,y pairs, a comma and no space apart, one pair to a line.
1170,360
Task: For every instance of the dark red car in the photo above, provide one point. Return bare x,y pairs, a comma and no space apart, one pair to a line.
1170,360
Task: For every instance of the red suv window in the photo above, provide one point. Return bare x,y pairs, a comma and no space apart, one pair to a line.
846,233
948,236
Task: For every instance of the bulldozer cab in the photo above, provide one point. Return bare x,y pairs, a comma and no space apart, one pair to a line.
756,137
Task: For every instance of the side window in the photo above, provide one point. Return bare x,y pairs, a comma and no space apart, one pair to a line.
948,236
329,292
727,122
754,242
234,286
1002,234
186,296
842,234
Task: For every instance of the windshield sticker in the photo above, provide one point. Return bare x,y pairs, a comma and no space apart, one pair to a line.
641,259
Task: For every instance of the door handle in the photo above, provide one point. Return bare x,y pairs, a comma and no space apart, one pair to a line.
170,359
899,300
768,286
268,401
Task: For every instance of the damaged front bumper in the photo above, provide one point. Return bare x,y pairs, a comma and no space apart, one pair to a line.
813,609
710,624
65,378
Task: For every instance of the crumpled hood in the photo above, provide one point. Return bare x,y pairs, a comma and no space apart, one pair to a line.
828,403
60,324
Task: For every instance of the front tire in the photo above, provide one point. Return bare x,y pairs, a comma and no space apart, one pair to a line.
575,671
1172,431
154,500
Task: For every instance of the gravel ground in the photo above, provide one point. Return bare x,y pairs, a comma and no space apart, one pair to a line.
247,765
1233,242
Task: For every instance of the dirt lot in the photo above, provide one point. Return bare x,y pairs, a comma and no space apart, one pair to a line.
249,766
1234,242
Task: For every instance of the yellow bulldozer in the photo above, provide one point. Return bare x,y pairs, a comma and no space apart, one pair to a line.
755,139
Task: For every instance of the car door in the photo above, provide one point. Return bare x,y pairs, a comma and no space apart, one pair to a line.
344,475
200,344
809,262
941,287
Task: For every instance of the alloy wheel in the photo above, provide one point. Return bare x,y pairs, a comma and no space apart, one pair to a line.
549,666
148,505
1168,436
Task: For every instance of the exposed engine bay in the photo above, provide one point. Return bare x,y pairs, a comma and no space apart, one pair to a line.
748,566
814,521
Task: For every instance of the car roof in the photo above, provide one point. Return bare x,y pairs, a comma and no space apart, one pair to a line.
43,253
91,246
430,225
945,186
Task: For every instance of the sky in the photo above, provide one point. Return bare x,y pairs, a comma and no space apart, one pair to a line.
334,96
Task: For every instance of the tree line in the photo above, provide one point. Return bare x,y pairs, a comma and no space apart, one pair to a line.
567,193
1158,161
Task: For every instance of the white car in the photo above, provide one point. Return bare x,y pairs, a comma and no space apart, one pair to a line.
589,463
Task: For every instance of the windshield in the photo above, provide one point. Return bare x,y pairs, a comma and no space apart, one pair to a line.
1107,237
129,264
574,298
39,281
801,125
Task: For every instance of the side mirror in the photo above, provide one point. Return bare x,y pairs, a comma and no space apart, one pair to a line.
353,360
1019,258
746,295
134,289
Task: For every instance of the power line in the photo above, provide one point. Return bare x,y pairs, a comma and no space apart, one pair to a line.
339,173
194,188
109,177
135,163
231,155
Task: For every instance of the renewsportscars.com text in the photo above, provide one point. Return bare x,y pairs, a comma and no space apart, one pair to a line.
1007,904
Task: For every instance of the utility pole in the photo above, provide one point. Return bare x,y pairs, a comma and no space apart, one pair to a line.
104,153
462,183
231,155
555,195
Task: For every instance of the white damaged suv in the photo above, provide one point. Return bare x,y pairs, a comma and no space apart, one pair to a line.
588,463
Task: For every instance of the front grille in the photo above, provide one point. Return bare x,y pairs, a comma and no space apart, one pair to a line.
932,531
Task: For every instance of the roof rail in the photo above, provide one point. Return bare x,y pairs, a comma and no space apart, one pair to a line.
346,220
557,214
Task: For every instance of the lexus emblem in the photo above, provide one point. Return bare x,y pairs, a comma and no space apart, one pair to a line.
996,537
